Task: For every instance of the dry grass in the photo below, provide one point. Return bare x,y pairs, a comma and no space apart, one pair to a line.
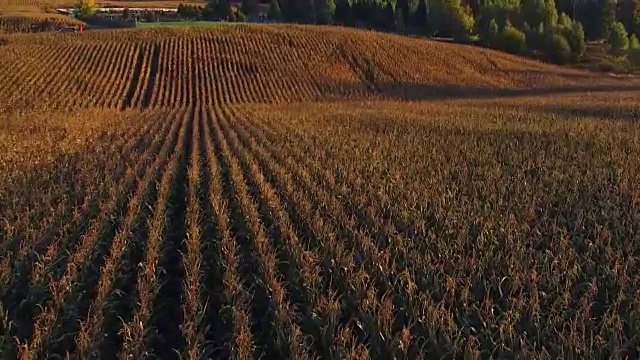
269,191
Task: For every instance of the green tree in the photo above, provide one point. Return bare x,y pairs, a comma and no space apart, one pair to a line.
249,7
536,12
208,13
634,52
451,18
550,17
239,16
491,36
558,49
513,40
274,11
633,42
399,20
306,11
462,23
389,16
608,17
85,7
343,12
576,40
533,12
628,11
564,21
618,39
324,11
411,9
221,9
420,17
289,9
126,14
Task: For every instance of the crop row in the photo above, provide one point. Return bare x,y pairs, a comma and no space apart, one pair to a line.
203,67
239,232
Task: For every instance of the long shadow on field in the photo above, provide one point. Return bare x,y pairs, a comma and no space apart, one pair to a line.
417,92
616,113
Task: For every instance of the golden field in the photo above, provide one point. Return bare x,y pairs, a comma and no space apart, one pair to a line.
312,192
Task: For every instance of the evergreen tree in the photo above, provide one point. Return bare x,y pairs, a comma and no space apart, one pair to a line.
306,10
451,18
633,42
342,14
221,9
513,40
490,37
436,17
419,20
589,13
576,40
399,19
564,21
207,13
533,12
389,16
239,16
627,12
608,17
357,12
249,7
618,39
289,9
377,10
463,23
557,49
634,52
274,11
412,7
324,11
550,13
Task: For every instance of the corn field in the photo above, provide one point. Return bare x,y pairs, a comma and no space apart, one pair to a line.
173,68
190,198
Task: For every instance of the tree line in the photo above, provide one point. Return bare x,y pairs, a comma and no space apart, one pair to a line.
557,30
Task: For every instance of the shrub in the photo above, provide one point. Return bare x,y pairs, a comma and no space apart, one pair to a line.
558,49
565,21
240,16
208,13
85,8
576,40
513,40
463,23
618,39
634,52
491,35
633,42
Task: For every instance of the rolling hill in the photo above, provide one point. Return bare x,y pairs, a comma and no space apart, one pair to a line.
263,64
